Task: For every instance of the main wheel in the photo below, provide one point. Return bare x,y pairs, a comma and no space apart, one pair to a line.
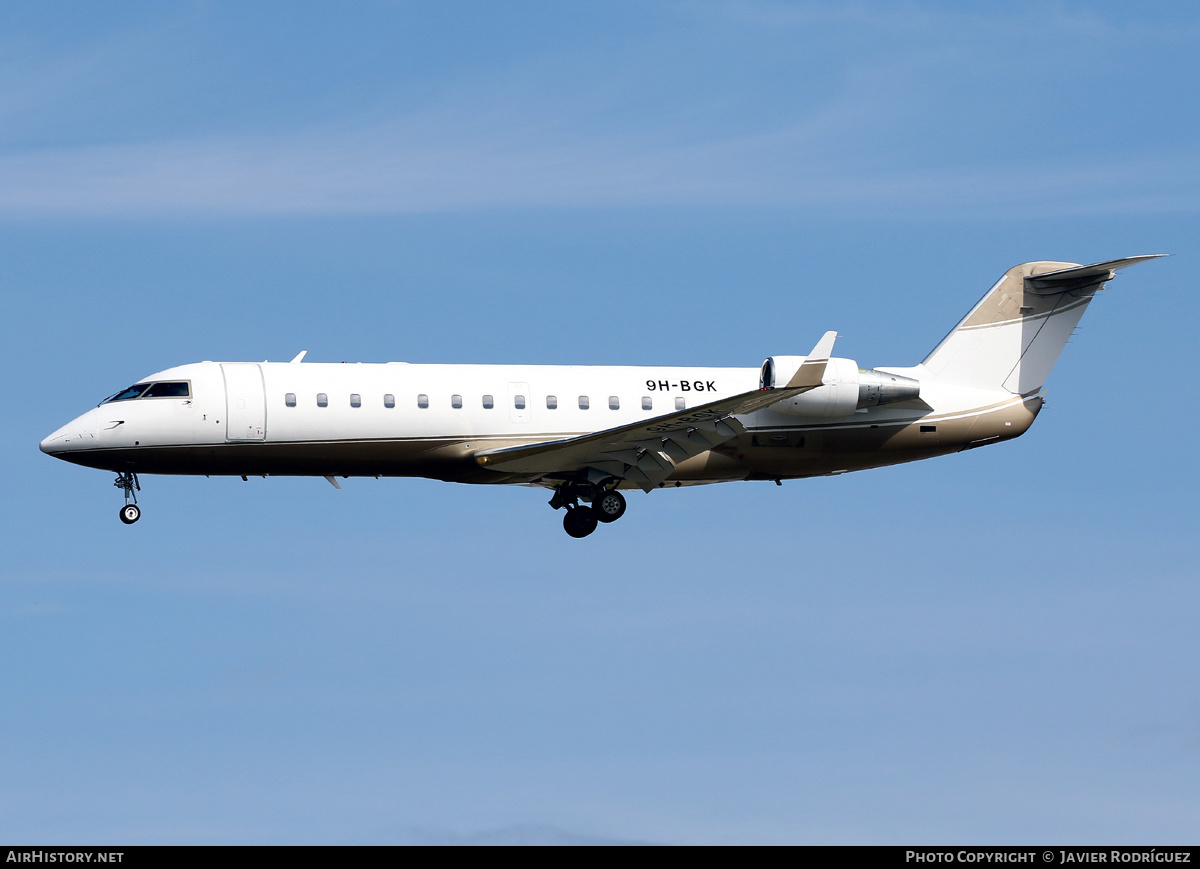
609,507
580,521
130,514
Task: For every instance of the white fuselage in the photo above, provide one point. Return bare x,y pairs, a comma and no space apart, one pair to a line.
399,419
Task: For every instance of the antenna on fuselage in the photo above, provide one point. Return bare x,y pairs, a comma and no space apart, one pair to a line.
300,356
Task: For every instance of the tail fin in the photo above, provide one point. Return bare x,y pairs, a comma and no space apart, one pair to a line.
1013,337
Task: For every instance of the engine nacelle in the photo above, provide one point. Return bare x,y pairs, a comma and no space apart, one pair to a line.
846,387
880,387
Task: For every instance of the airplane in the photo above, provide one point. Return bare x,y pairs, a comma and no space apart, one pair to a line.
589,433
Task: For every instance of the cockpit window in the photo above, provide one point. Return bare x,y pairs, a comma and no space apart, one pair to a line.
167,390
126,394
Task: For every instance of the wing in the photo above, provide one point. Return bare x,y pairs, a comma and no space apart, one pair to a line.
646,452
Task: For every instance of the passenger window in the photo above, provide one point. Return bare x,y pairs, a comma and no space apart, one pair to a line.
583,402
290,399
680,404
519,402
614,403
488,403
322,400
389,400
422,400
647,403
355,400
166,390
456,401
551,402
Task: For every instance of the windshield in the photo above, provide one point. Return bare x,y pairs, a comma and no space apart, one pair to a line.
126,394
165,389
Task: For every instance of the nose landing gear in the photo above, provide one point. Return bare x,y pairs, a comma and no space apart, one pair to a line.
608,505
128,483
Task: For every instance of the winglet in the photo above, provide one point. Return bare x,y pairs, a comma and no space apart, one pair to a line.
811,373
300,356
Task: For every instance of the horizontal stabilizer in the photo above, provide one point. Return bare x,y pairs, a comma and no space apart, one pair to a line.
1078,277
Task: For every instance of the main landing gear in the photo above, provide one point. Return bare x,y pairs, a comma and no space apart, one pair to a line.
128,482
580,521
608,505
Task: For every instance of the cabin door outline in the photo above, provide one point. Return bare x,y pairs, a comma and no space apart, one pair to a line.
245,402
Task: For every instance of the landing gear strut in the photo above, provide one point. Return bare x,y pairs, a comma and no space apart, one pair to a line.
128,482
608,505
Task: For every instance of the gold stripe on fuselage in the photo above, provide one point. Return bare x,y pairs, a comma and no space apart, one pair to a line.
815,449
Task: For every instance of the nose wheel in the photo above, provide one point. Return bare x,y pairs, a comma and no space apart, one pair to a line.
128,483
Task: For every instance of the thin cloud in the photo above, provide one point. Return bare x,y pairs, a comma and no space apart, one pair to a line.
387,171
869,144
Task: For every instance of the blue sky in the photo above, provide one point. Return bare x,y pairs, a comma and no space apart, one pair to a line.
997,646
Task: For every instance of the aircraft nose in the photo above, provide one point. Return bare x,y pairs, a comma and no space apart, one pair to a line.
52,443
71,436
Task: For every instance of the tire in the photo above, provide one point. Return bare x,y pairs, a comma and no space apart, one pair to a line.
130,514
580,522
609,507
